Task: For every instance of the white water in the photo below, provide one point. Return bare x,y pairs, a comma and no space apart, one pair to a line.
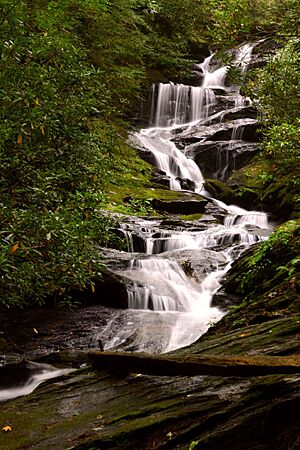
158,285
168,157
167,310
178,104
167,287
243,56
40,373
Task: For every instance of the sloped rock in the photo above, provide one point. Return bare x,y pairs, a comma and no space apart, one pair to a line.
245,129
219,159
86,409
180,206
237,195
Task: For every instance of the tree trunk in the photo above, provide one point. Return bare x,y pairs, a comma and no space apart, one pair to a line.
222,366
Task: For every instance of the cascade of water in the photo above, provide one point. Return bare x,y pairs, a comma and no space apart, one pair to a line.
243,56
161,285
40,373
168,289
169,158
158,283
212,78
177,104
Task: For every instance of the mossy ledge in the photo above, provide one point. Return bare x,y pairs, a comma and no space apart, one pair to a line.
260,186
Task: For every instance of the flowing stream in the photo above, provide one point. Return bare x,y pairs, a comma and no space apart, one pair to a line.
167,309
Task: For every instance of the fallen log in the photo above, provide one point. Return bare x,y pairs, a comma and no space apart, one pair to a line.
221,366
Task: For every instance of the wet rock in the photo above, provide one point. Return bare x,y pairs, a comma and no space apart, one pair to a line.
186,184
3,343
160,177
237,195
199,262
110,290
223,102
87,409
280,197
145,154
245,129
240,112
219,190
180,207
219,159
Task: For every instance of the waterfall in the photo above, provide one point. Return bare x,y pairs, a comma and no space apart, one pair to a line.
169,158
243,56
166,288
178,104
159,291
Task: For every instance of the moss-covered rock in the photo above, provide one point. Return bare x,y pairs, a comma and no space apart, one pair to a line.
242,196
267,279
89,410
260,185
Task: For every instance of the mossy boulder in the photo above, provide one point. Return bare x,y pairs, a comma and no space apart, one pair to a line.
267,279
282,198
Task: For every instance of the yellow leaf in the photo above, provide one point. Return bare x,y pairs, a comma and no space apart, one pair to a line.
13,248
36,331
7,428
20,139
37,101
93,287
43,131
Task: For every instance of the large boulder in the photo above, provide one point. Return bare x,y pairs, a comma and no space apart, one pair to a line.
238,195
246,129
180,206
217,159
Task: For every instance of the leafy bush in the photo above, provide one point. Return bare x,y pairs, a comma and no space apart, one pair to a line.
277,84
276,92
54,162
281,248
282,145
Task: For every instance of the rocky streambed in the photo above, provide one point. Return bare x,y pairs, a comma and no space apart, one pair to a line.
97,409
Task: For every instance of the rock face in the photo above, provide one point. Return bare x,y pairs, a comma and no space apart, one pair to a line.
219,159
180,207
87,410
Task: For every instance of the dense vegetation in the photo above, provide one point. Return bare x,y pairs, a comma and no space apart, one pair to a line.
72,74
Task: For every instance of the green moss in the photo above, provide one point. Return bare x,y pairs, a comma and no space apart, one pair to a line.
262,185
191,217
121,197
219,190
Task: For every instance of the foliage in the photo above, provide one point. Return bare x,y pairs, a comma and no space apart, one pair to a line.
280,248
234,21
277,84
282,145
47,253
140,206
276,91
55,162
